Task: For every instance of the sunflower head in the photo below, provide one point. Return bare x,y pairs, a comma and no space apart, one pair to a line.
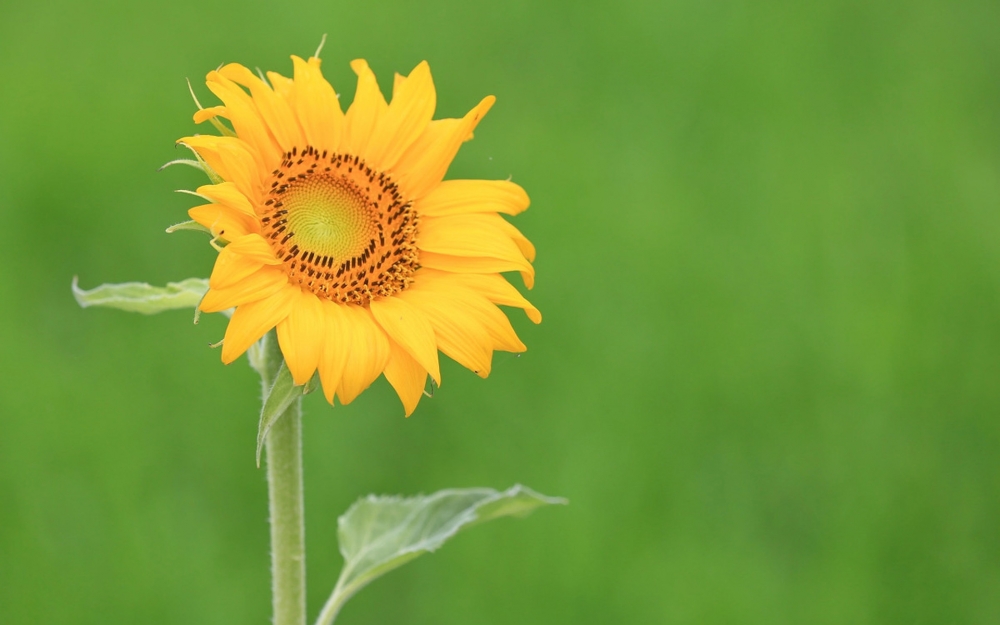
340,232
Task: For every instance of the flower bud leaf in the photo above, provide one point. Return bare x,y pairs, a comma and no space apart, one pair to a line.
141,297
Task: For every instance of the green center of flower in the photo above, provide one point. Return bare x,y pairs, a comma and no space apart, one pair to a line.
342,229
329,216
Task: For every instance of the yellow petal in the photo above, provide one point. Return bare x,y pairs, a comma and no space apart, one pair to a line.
230,268
515,235
252,321
301,335
478,264
283,86
423,165
247,120
202,115
239,259
273,109
368,355
317,106
227,193
261,284
411,109
406,376
458,197
472,235
467,302
232,158
492,286
223,221
337,342
458,333
366,110
407,326
254,247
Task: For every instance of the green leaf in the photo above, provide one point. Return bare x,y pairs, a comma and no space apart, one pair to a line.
379,534
281,395
141,297
188,225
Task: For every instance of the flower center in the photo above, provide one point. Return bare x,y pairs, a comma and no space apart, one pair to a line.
341,228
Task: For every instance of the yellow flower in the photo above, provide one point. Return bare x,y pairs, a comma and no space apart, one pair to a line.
341,233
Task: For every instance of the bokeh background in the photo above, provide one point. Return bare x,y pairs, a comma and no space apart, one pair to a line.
767,378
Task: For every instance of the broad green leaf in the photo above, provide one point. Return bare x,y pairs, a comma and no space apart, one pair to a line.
379,534
142,297
281,395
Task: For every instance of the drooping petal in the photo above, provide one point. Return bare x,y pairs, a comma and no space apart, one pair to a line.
406,118
368,355
367,109
337,343
467,303
423,165
527,247
406,376
253,320
493,287
458,334
300,334
408,327
459,197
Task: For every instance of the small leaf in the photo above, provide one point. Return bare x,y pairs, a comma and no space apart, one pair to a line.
141,297
379,534
188,225
282,394
182,161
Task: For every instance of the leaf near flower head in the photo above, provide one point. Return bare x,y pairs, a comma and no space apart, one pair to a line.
141,297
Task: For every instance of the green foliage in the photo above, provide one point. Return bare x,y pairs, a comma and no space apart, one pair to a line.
141,297
379,534
188,225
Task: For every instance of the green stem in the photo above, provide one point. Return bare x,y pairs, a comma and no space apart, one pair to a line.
288,535
333,604
284,484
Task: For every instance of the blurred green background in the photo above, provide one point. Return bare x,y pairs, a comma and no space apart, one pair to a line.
767,378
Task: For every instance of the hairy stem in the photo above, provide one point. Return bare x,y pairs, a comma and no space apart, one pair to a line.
288,536
284,484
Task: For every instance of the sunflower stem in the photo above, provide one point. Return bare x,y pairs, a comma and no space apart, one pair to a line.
284,481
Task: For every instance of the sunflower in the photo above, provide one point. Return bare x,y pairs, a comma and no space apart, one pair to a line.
338,230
